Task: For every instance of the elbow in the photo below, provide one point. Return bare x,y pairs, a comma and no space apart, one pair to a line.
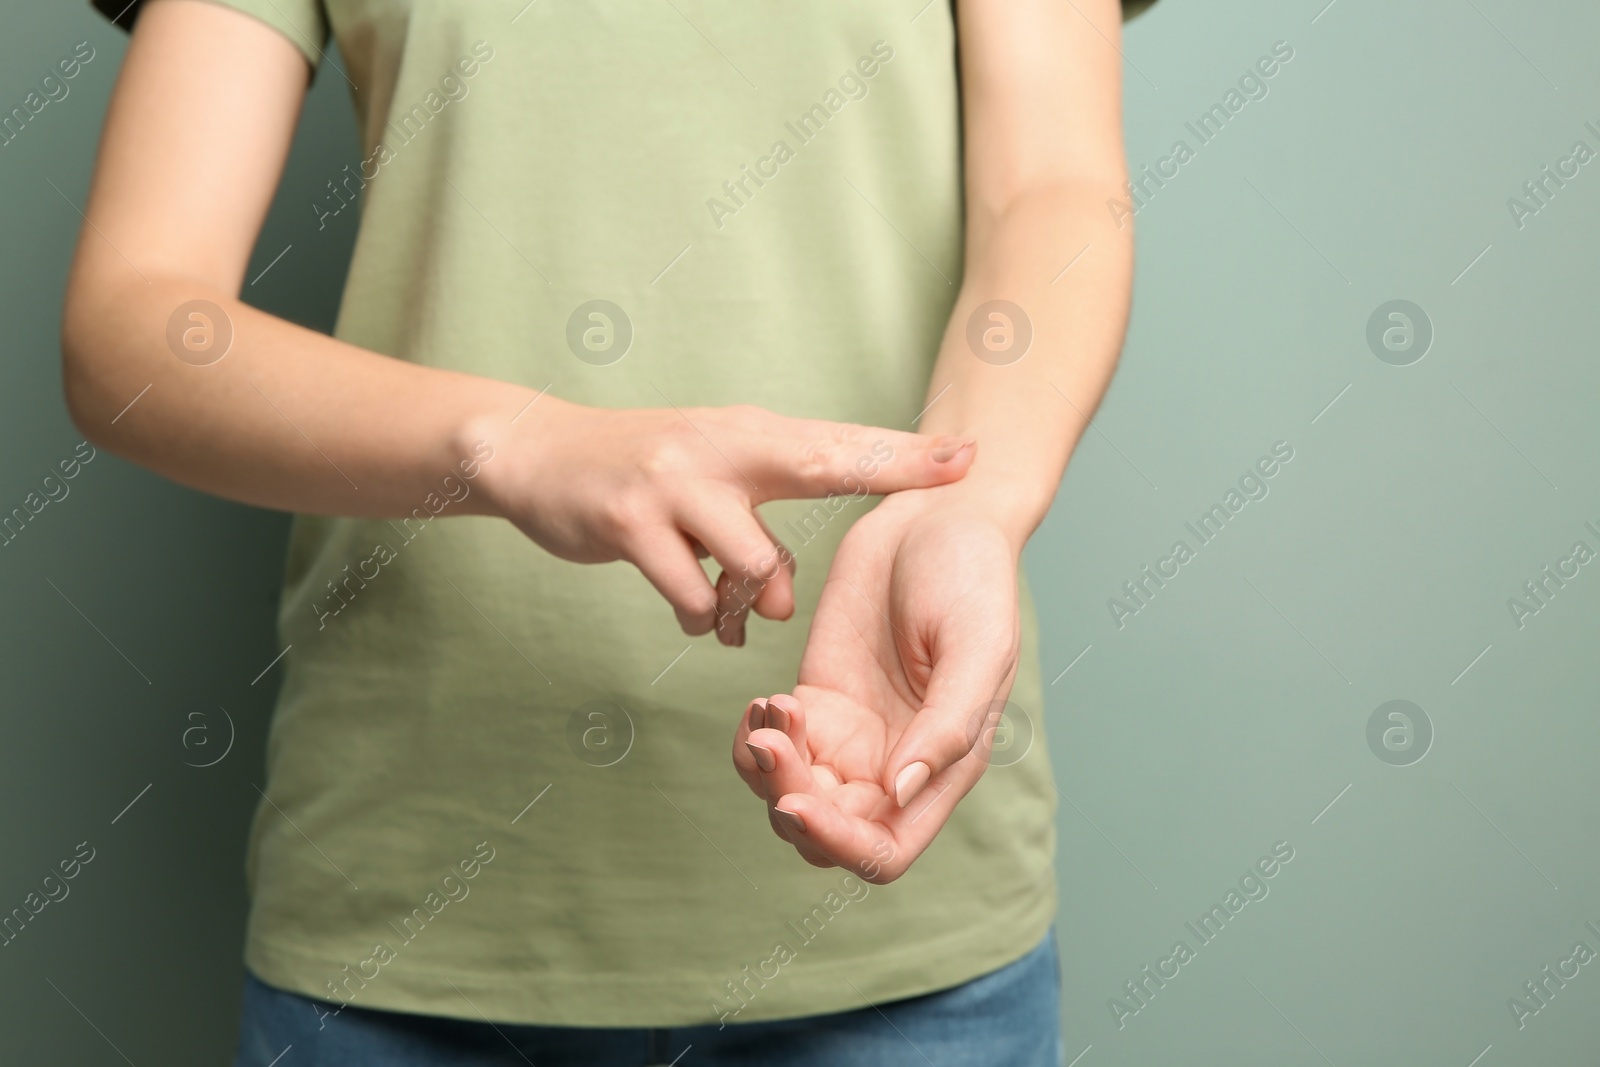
82,409
1057,190
1082,203
77,375
86,384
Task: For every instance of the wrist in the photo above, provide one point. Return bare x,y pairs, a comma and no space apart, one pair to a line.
1011,482
499,442
1009,507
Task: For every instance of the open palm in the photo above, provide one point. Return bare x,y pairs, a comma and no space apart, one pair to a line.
911,652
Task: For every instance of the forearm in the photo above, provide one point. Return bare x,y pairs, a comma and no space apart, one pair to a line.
285,418
288,418
1028,415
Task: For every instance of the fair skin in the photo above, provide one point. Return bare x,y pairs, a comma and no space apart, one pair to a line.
296,420
917,625
915,639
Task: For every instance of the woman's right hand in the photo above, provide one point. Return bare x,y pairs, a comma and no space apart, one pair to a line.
284,417
661,488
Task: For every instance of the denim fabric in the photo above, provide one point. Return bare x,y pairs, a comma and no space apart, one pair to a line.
1010,1018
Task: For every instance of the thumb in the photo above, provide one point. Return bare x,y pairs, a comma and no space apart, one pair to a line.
957,718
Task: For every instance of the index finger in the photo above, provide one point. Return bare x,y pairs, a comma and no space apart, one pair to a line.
806,459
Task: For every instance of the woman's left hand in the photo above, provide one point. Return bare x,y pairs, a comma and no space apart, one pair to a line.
914,645
910,657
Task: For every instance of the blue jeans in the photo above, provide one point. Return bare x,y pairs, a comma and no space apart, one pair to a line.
1010,1018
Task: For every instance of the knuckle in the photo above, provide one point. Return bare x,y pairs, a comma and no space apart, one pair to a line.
694,626
626,513
817,459
700,603
757,567
952,739
667,456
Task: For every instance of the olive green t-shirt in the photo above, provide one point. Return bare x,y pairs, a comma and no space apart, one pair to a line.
498,783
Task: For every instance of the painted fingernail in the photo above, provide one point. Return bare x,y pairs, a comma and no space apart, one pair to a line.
946,448
791,819
777,718
758,715
764,757
909,782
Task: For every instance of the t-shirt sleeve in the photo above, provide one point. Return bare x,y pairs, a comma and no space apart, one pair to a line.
303,22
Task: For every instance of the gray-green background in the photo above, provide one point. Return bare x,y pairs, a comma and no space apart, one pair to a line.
1229,714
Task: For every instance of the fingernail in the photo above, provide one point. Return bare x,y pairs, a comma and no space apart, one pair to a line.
791,819
909,782
946,448
764,757
758,715
777,718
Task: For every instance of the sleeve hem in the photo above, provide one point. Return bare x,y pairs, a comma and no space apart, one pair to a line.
304,25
